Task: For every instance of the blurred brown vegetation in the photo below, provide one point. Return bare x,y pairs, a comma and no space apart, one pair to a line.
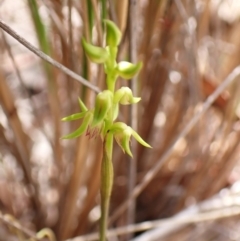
188,48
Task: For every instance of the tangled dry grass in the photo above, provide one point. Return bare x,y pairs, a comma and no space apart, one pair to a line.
187,186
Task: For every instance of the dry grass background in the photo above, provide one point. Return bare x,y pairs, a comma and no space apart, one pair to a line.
189,184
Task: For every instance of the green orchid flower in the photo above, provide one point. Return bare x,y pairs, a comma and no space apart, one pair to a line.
100,120
123,133
87,119
93,120
124,96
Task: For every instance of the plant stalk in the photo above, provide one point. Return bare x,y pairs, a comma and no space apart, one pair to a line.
106,183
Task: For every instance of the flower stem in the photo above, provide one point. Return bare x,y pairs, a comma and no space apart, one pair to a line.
111,80
106,182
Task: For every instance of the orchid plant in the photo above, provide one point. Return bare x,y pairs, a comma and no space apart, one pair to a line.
101,120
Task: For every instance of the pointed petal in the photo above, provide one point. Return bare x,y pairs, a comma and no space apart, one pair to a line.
122,134
126,145
135,100
81,129
82,105
74,116
139,139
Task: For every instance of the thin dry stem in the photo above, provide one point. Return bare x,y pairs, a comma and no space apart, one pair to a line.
47,58
173,222
152,172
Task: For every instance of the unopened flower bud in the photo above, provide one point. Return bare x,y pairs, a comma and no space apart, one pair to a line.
114,35
127,70
102,105
95,54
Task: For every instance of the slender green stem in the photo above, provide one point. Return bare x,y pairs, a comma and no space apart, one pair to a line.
104,9
110,83
103,220
90,18
106,182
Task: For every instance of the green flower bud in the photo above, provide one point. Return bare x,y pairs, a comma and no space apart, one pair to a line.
102,105
114,35
127,70
95,54
124,96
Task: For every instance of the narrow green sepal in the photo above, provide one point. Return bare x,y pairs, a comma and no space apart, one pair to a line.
139,139
122,134
74,116
124,96
127,70
83,107
87,119
114,35
95,54
123,139
102,105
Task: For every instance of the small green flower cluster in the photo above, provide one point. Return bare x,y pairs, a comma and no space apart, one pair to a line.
100,119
